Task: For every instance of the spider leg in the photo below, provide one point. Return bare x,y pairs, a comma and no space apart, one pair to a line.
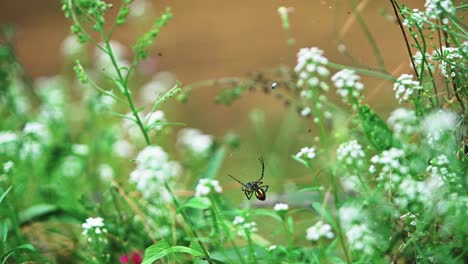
263,168
236,180
265,187
248,194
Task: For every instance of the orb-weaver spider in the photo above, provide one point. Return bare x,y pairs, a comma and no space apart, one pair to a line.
255,187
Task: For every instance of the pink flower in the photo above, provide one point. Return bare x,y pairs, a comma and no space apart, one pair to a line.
133,258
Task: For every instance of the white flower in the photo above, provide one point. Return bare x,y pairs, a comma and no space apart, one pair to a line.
80,149
194,141
404,87
435,8
309,153
404,122
8,142
71,166
315,232
415,18
306,111
37,131
348,85
30,150
281,207
450,60
70,46
7,166
272,247
123,148
361,238
206,186
391,165
153,170
105,172
350,153
436,124
95,225
310,66
238,220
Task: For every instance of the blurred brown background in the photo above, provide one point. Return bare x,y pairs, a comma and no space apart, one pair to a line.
212,39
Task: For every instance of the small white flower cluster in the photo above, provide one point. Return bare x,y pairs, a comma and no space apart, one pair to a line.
415,18
206,186
348,86
435,8
310,66
424,192
271,248
36,136
404,122
439,166
154,169
358,233
281,207
194,141
124,149
320,229
93,228
437,124
244,227
391,165
350,153
361,239
52,92
404,87
80,149
419,60
450,59
72,166
306,152
8,142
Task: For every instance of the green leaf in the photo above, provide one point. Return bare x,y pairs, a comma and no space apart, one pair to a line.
302,161
291,224
324,213
269,213
4,194
215,163
378,133
9,253
162,249
197,203
37,211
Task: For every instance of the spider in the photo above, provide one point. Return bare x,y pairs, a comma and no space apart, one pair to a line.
255,187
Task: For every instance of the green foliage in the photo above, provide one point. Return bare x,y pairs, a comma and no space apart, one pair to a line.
377,132
92,175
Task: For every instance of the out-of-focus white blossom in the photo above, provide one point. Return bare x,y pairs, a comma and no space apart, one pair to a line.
104,63
361,238
154,118
435,8
157,86
93,229
272,247
319,230
404,122
306,111
105,172
71,47
415,18
405,87
80,149
238,220
437,124
194,141
281,207
8,142
153,170
123,148
38,132
206,186
306,152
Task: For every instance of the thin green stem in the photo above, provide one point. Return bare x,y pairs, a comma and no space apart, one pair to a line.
371,73
369,36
